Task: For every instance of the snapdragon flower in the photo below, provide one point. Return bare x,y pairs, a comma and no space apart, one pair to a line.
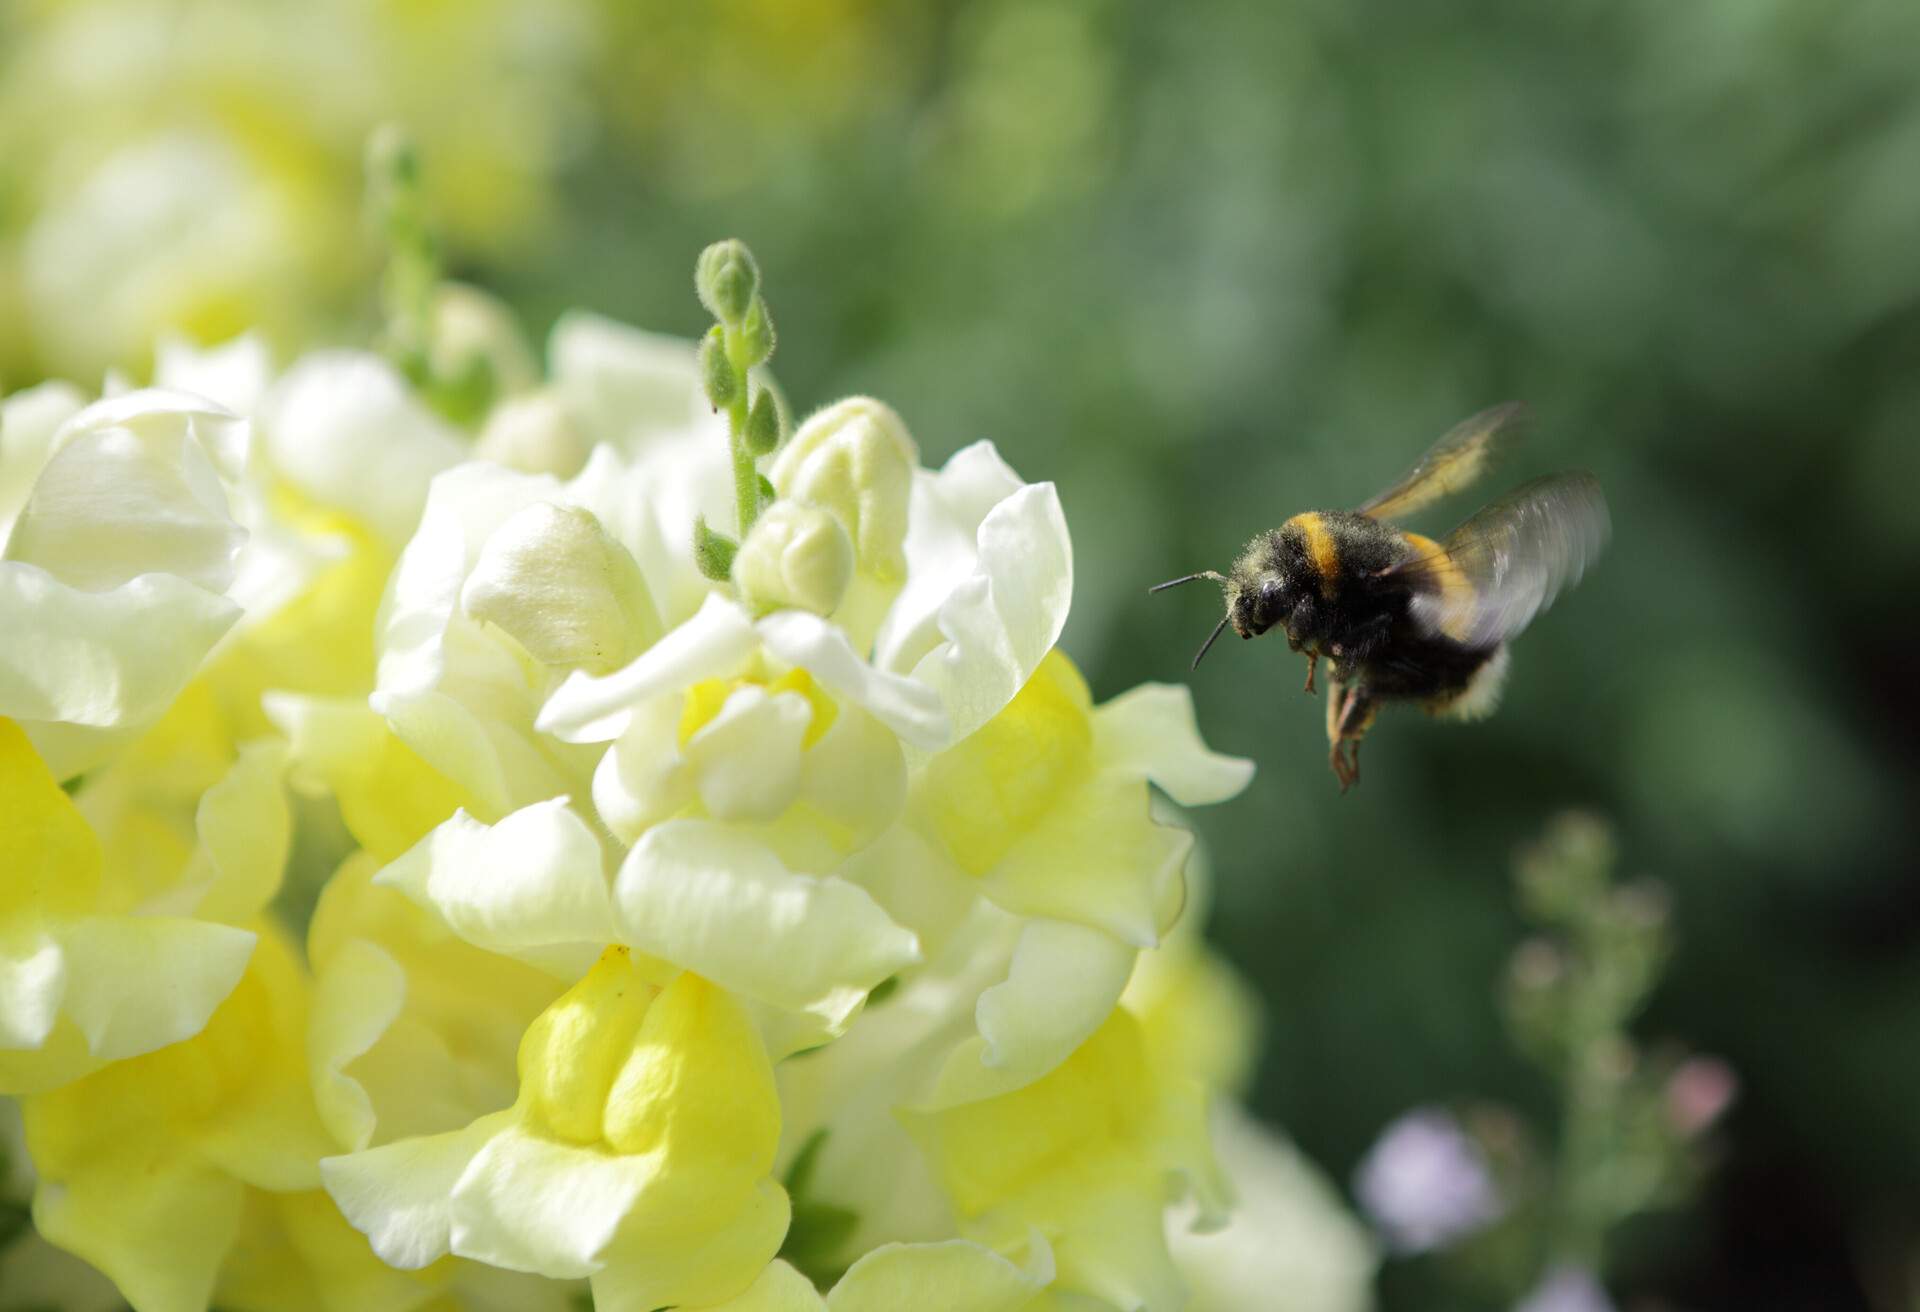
746,904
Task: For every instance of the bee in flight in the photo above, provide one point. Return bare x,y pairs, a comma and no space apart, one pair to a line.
1398,616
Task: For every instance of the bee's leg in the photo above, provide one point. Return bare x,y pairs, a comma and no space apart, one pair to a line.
1345,731
1313,662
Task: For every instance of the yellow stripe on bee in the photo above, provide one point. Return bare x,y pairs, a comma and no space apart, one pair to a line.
1321,549
1456,590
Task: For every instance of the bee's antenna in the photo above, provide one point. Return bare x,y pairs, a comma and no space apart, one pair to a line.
1209,642
1215,575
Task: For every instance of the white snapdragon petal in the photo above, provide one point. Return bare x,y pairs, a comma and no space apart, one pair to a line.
642,779
400,1196
28,421
33,980
133,486
479,755
345,429
357,995
1151,731
137,983
567,592
84,671
534,434
746,761
1291,1246
716,902
463,508
951,1276
235,373
507,1212
245,830
1065,866
822,650
990,579
622,384
650,501
715,643
532,886
1062,984
942,547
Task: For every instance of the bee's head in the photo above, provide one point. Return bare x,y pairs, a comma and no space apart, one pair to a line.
1257,593
1255,605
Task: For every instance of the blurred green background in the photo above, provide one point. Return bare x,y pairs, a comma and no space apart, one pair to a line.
1207,265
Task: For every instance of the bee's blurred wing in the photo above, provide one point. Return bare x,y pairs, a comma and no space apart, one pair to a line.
1498,570
1452,463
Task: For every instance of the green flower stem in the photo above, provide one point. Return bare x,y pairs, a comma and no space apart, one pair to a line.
746,475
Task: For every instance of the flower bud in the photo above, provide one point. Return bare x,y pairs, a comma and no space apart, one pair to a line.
756,333
562,587
796,555
856,459
474,334
763,424
713,552
717,373
534,434
727,279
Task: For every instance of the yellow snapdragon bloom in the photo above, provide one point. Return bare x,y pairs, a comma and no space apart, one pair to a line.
84,980
638,1153
145,1165
1087,1155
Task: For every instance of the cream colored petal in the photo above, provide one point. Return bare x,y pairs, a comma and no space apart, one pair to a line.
822,650
400,1196
358,992
147,1213
779,1288
245,829
1291,1246
234,374
1062,984
463,507
530,1203
942,547
1151,730
28,421
745,763
33,980
345,429
642,779
715,643
137,983
1099,861
102,659
955,1276
716,902
531,883
999,618
130,488
621,384
705,1268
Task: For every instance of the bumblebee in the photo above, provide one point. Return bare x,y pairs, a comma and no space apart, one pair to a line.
1400,617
